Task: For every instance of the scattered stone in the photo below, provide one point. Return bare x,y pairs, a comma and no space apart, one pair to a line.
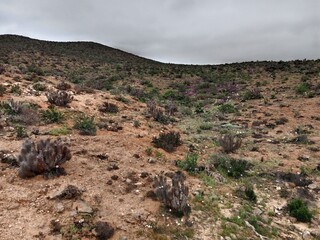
109,182
114,177
144,174
128,180
306,235
8,159
123,238
82,207
113,166
103,156
313,186
59,208
136,155
315,233
303,158
103,230
152,160
70,192
55,227
233,236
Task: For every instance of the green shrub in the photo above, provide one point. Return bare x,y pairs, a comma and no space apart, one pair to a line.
35,69
52,115
299,210
21,131
227,108
235,168
250,194
136,123
64,130
252,94
39,87
15,89
199,109
167,141
2,90
149,151
206,126
85,125
302,88
190,163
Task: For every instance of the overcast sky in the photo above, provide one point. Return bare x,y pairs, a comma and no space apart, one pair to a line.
177,31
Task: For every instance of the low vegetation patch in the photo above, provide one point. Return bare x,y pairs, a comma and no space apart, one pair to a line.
85,125
167,141
235,168
64,130
190,163
227,108
299,210
252,94
52,115
2,90
108,108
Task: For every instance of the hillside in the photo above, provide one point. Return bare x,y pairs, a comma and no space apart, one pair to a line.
244,135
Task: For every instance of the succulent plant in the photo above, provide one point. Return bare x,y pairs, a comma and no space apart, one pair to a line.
44,157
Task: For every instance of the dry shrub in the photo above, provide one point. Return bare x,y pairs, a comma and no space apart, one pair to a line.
157,113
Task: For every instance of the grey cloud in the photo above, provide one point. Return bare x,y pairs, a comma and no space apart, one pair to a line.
183,31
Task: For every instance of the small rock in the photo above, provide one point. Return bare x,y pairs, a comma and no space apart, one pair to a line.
113,166
128,180
69,192
123,238
136,155
306,235
303,158
144,174
10,179
82,207
103,230
59,208
103,156
114,177
73,213
233,236
312,186
13,206
315,233
109,182
151,160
